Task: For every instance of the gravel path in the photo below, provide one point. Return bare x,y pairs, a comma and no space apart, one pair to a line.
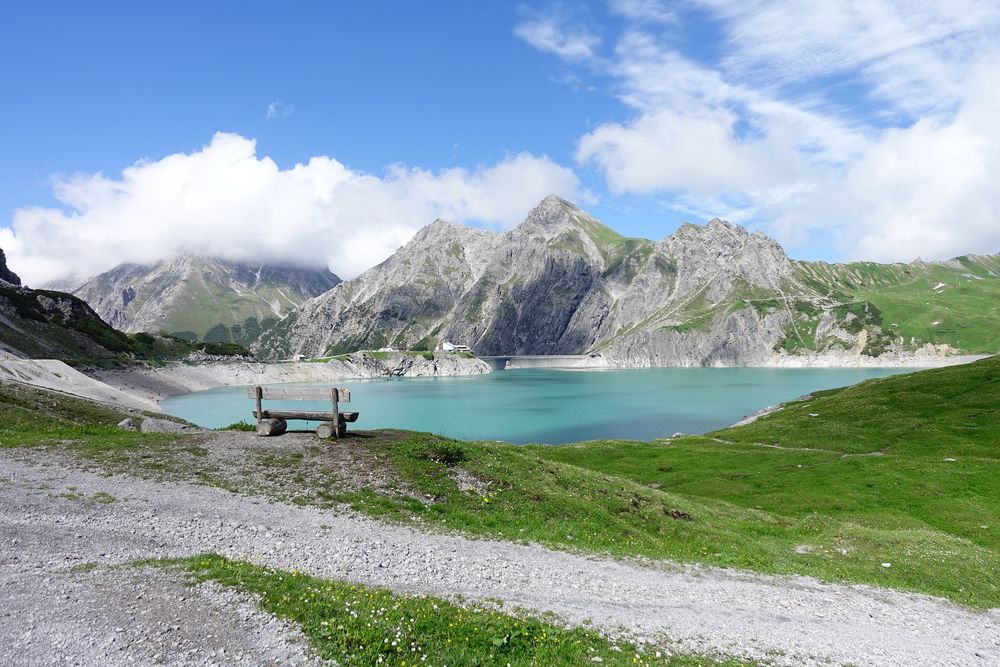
44,534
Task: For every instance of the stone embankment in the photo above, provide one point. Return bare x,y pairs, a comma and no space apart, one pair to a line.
155,384
928,356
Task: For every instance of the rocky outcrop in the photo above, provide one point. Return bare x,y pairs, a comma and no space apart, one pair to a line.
201,297
406,364
55,325
563,283
50,324
559,283
6,275
742,338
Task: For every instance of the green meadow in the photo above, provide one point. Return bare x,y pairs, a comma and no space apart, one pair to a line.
891,482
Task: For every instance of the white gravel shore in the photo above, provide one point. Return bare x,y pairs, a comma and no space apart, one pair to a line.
157,383
44,533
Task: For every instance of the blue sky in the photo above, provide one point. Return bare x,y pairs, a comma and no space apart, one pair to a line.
846,130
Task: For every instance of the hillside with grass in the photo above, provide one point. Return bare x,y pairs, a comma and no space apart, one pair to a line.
202,298
891,482
562,282
48,324
45,324
955,303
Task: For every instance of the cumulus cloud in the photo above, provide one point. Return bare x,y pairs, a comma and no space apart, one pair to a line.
925,190
225,200
669,150
872,123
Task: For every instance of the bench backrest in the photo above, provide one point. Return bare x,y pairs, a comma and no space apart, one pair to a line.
301,393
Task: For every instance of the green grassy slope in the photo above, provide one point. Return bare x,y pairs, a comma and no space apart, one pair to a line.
45,324
955,303
899,471
204,298
220,312
359,625
31,416
963,312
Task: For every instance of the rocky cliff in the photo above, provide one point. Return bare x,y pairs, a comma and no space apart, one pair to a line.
406,364
6,275
563,283
55,325
50,324
559,283
201,297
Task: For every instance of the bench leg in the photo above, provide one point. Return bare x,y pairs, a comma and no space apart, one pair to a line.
273,426
325,430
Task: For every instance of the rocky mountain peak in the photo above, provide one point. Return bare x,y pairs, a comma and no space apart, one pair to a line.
6,275
447,242
718,235
436,231
727,252
563,226
720,226
196,296
552,216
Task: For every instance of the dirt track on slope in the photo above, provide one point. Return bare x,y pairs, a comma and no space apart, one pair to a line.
53,531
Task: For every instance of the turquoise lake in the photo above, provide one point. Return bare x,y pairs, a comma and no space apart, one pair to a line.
552,406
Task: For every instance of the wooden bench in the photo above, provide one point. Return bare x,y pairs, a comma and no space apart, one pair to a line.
273,422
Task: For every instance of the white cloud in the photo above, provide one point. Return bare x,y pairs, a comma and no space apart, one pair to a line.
707,140
278,110
926,190
900,171
913,53
225,200
668,150
545,34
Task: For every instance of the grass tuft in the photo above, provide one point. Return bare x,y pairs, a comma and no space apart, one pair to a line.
360,625
239,426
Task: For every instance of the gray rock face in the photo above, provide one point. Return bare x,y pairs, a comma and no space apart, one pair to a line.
563,283
398,364
201,297
6,275
45,324
559,283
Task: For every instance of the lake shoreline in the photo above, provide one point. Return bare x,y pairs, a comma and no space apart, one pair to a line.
179,378
145,387
154,384
558,406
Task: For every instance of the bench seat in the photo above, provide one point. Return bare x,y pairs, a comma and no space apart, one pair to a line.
311,415
273,422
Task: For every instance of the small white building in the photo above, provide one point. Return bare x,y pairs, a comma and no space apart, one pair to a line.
388,348
299,357
445,346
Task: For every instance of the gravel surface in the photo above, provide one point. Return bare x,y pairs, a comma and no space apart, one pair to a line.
51,522
55,615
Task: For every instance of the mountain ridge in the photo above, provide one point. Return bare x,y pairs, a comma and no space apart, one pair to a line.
562,282
199,297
